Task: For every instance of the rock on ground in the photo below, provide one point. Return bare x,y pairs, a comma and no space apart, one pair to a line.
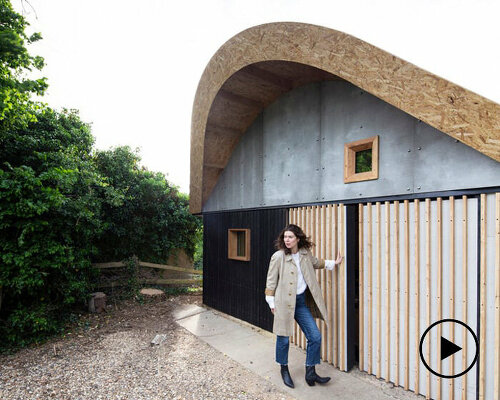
112,359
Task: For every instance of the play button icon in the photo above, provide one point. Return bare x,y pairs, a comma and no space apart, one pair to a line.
436,349
448,348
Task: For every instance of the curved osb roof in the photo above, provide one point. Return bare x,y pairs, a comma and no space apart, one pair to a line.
259,64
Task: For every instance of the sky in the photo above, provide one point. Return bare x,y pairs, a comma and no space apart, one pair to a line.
132,67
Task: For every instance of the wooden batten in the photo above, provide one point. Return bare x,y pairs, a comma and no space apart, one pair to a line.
407,293
428,284
497,298
388,291
451,382
482,338
329,252
361,334
292,220
317,252
439,284
296,328
370,288
324,333
417,293
397,289
314,237
335,289
342,290
305,226
308,227
464,293
379,291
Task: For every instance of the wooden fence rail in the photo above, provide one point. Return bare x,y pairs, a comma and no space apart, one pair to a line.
119,264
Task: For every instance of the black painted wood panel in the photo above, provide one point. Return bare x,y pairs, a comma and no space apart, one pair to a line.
237,287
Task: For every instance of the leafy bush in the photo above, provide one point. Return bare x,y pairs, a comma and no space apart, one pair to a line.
50,205
154,217
63,206
198,252
16,106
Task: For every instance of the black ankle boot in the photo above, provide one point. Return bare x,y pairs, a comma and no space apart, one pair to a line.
285,374
312,376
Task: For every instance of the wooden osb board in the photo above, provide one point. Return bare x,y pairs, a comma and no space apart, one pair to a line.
248,87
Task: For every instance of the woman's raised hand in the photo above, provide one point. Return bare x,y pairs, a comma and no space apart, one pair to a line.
339,258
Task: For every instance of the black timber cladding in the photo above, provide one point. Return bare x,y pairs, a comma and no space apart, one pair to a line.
237,287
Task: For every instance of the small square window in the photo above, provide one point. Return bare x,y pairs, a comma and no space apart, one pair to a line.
238,241
361,160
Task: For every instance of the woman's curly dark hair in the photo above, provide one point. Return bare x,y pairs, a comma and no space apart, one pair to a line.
304,241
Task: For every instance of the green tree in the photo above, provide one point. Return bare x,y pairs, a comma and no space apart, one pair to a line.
16,89
154,217
62,206
50,216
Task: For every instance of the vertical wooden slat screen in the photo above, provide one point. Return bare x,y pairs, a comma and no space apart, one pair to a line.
437,251
325,226
489,341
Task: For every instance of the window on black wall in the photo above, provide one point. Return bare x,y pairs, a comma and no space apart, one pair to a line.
238,240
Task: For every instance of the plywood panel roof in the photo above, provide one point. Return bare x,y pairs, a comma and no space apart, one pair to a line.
258,65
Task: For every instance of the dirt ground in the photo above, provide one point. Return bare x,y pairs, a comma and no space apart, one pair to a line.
110,357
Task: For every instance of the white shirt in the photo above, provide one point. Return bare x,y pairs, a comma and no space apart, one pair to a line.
301,283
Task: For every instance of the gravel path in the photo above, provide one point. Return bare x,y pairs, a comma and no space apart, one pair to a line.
113,359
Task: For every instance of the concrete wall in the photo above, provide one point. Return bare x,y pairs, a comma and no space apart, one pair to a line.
294,152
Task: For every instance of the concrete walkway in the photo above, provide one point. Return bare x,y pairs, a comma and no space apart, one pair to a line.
254,349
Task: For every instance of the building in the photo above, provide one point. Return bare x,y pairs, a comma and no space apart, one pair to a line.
372,155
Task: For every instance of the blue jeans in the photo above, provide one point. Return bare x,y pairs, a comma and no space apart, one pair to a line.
306,322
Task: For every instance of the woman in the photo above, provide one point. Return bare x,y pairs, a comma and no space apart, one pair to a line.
293,292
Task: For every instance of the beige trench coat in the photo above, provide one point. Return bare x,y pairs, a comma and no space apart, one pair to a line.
282,284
